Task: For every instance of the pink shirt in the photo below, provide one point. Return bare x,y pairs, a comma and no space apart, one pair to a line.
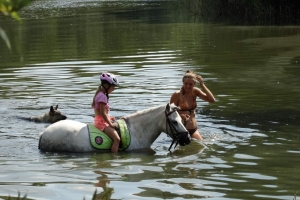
101,97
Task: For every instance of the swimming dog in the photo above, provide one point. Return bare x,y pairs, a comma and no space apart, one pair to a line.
49,117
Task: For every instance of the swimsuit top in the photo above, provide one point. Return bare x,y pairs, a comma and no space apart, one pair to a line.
101,97
184,105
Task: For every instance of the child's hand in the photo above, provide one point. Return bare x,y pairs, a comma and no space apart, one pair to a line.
200,79
114,125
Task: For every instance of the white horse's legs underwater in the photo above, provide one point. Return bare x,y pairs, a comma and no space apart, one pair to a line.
144,127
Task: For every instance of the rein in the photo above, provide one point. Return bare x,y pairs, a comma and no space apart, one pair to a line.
171,126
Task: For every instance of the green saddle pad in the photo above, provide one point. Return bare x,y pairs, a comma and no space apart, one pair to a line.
100,140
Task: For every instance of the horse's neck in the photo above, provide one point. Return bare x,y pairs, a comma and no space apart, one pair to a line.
145,126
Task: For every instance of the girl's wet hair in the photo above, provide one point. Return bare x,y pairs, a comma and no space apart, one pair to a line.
97,91
189,74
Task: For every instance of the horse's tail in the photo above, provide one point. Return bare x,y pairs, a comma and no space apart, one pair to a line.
41,135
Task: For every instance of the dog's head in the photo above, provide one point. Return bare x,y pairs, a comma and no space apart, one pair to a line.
56,115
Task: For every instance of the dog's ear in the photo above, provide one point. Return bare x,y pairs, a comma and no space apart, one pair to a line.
51,109
56,107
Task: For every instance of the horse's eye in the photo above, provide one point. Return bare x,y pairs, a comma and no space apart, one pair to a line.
175,122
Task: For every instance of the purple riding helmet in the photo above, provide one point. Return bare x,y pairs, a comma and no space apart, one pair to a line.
110,78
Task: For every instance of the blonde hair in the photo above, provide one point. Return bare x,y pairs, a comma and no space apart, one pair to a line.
189,74
97,91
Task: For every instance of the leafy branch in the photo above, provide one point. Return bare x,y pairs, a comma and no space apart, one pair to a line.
10,8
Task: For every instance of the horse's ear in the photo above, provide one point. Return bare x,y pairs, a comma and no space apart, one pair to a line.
174,107
51,109
56,107
168,107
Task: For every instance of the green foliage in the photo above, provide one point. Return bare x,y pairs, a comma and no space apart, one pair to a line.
271,11
10,8
5,38
18,198
25,197
94,195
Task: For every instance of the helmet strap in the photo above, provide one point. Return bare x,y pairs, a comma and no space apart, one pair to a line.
106,90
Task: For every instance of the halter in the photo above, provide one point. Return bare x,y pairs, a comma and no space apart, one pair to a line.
177,135
106,90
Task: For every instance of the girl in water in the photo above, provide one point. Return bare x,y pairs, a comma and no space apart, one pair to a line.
185,98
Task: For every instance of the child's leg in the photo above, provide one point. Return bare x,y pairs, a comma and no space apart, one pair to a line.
112,133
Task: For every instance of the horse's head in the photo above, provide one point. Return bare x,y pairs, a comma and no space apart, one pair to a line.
178,132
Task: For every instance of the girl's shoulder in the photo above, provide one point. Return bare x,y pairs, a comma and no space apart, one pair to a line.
196,90
100,94
101,97
176,93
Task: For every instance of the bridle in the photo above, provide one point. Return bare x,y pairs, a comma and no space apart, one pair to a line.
176,134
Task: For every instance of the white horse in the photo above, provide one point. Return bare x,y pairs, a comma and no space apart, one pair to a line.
144,128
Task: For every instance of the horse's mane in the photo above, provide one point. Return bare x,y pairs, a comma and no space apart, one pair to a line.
141,112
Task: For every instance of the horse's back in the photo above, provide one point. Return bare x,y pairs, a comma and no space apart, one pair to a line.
66,135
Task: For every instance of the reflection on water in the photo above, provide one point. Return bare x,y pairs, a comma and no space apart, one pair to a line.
251,133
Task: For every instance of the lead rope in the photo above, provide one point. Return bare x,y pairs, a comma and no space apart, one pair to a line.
172,144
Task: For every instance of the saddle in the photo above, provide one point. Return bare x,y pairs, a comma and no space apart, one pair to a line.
99,140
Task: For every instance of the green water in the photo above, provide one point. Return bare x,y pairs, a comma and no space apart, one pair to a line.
250,148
